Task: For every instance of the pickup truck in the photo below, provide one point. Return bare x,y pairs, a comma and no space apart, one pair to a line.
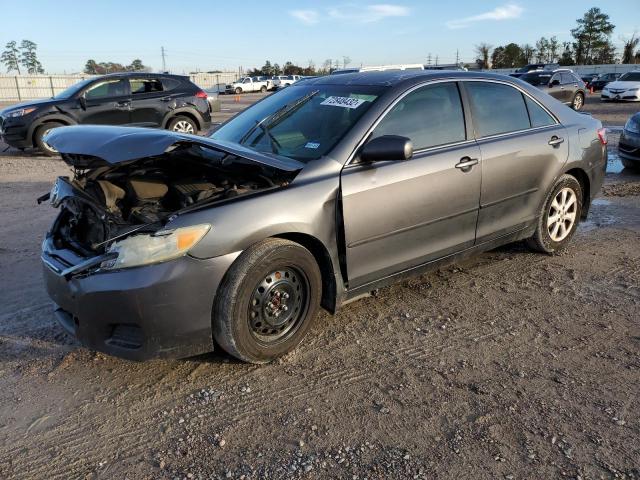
281,81
249,84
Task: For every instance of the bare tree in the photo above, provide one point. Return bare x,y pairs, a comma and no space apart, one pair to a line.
483,50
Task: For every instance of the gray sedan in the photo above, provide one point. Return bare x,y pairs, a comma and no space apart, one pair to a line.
169,244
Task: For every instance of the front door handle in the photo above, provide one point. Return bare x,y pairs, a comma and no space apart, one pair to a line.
555,141
166,99
123,104
466,163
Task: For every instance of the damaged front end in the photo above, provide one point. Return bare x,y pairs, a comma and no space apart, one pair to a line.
128,184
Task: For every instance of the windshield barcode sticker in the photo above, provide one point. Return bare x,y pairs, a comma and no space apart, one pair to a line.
344,102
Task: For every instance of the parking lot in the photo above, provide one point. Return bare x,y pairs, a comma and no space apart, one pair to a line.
511,365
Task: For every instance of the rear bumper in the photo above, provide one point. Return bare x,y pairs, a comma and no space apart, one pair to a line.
161,310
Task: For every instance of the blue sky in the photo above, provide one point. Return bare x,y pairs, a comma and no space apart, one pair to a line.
217,35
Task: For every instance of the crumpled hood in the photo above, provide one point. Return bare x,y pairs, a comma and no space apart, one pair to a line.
622,85
108,145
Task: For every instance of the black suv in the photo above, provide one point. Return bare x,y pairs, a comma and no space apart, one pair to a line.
134,99
563,85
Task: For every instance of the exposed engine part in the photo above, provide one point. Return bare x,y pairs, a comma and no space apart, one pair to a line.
112,194
147,190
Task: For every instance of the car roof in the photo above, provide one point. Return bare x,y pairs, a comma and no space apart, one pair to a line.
395,77
141,74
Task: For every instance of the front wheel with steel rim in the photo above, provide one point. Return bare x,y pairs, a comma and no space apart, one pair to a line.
38,138
578,101
183,125
267,301
559,217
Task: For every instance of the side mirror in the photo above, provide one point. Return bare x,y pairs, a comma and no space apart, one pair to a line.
387,147
83,101
554,83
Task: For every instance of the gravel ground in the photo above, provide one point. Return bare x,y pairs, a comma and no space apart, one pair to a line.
510,365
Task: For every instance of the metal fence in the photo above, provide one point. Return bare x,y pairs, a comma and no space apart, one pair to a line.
29,87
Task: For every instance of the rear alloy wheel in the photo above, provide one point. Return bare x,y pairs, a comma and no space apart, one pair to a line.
267,301
560,216
578,101
183,125
40,132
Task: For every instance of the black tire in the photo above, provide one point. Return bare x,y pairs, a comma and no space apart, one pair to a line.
183,124
263,89
238,90
39,142
630,164
542,240
578,101
239,309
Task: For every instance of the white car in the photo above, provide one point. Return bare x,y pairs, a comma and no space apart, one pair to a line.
249,84
626,88
281,81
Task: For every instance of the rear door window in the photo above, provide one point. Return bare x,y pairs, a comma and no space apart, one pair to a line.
145,85
170,83
496,108
430,116
538,115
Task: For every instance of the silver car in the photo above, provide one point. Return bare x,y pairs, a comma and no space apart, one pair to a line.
167,244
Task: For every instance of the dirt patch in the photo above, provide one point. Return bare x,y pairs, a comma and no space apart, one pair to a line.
625,189
510,365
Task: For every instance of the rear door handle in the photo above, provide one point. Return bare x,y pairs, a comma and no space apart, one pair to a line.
555,141
166,99
123,104
466,163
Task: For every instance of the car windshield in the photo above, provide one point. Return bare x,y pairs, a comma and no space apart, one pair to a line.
536,78
73,89
302,122
630,77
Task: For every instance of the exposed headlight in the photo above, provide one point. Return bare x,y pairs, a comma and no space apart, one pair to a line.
632,126
21,113
159,247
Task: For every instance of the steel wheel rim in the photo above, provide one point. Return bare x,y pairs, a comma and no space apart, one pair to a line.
183,126
278,305
562,214
45,144
577,102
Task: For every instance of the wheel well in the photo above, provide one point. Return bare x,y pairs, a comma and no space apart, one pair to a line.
185,114
53,120
583,180
323,259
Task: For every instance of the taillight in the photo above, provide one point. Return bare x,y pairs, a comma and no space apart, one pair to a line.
602,135
201,94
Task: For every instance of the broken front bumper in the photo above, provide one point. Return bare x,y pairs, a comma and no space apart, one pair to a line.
161,310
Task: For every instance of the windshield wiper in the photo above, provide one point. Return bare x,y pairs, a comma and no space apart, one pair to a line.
275,118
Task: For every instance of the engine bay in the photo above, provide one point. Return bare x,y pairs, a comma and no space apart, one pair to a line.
146,192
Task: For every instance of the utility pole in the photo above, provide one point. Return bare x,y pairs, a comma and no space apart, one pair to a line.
164,63
429,59
457,57
436,60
